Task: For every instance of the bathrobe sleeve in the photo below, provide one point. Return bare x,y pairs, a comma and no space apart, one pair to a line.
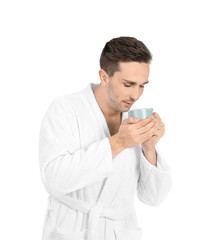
64,166
154,182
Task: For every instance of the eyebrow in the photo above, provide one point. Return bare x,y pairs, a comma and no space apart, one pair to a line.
133,83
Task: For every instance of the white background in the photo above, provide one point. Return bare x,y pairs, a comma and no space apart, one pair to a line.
50,48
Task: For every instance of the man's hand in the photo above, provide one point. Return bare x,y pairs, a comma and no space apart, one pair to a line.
158,133
148,147
133,132
147,132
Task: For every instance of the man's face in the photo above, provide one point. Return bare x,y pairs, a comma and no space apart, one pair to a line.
120,90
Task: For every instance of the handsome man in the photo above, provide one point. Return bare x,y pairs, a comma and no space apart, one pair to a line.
94,159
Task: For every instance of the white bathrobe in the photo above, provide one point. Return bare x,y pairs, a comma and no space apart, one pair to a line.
91,195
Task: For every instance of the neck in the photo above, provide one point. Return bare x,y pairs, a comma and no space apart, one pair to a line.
101,98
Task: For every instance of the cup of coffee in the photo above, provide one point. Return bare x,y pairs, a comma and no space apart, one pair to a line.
141,113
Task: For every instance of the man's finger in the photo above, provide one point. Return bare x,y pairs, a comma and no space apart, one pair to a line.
144,122
156,115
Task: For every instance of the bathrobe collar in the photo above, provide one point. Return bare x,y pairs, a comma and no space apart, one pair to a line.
98,112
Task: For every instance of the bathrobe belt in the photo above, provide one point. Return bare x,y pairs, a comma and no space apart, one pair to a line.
95,211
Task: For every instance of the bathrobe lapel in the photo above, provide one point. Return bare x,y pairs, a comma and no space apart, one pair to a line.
111,184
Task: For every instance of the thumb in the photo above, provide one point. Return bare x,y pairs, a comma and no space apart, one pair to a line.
130,120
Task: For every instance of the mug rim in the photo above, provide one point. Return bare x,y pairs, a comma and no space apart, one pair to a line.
138,109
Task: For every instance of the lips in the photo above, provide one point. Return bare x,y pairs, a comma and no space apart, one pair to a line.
128,103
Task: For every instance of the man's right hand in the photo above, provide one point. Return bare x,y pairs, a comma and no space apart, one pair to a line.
132,133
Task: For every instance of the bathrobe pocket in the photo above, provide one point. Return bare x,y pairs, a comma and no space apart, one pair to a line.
129,234
60,235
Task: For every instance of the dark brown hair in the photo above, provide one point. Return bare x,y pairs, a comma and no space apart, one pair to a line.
123,49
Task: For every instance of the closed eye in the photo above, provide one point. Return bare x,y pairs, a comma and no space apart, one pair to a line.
131,85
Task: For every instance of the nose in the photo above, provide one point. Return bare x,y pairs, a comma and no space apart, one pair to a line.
134,95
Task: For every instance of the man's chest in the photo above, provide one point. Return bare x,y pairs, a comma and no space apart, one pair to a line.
113,127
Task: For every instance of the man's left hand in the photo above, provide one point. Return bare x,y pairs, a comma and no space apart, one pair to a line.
157,134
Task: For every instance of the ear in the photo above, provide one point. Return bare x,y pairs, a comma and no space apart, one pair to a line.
103,77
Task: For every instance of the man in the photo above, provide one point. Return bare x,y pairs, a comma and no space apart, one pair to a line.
94,159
